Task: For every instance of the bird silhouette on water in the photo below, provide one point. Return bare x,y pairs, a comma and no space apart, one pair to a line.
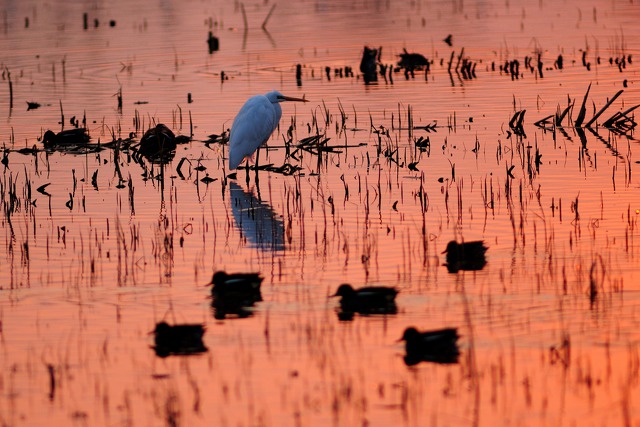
237,285
439,346
235,293
412,61
182,339
465,256
65,138
158,143
367,300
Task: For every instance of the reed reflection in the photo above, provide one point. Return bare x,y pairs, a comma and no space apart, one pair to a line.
258,222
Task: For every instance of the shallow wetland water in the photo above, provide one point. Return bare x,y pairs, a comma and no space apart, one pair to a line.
99,244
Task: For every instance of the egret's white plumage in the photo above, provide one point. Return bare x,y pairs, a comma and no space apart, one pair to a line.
254,124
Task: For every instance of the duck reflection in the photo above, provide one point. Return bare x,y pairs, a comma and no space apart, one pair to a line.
263,228
223,308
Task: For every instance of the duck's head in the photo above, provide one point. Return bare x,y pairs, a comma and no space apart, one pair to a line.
452,247
49,138
161,328
410,334
344,290
219,278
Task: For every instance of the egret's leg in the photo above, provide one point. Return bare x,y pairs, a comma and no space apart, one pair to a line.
256,164
246,171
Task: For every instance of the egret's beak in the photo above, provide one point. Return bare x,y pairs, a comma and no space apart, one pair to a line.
289,98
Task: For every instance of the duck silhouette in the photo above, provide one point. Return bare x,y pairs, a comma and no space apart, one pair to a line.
366,300
465,256
440,346
158,143
181,339
69,137
237,286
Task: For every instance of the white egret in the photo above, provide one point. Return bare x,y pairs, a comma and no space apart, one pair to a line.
254,124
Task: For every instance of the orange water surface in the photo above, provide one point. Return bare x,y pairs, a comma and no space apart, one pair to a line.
98,245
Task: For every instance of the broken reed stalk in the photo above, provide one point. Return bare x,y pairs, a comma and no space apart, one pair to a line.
583,109
599,113
10,88
266,20
451,61
52,381
560,117
244,17
459,59
61,115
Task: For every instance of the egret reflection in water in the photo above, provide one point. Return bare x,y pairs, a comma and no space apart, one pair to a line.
262,227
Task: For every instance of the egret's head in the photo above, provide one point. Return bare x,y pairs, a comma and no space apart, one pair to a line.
275,97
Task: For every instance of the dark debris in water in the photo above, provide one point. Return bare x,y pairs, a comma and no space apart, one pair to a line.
208,180
222,139
285,169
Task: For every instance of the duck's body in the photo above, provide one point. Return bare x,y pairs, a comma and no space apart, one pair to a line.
412,61
367,300
439,346
465,255
178,339
78,136
237,286
157,142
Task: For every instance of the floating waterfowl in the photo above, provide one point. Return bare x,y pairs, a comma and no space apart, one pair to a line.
440,346
412,61
237,286
182,339
465,256
158,143
367,300
74,137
